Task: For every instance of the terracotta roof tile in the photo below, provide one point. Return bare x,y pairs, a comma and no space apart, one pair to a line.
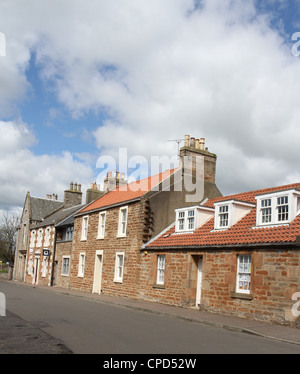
128,192
244,232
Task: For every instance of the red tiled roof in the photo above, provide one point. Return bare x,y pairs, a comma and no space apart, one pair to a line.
244,232
128,192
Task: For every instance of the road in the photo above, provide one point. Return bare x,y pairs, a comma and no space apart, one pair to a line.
91,326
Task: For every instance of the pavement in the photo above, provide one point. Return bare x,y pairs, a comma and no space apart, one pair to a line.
14,331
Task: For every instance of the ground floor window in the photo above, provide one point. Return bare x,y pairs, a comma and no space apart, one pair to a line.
65,265
160,269
81,265
243,274
119,267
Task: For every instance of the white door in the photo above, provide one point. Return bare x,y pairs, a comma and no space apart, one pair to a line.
98,272
35,279
199,281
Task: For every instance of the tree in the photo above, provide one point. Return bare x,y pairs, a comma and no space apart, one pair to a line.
8,235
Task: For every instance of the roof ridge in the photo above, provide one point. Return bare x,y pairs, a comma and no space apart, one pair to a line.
127,192
253,193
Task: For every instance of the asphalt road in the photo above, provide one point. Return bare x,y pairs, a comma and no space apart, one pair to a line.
90,326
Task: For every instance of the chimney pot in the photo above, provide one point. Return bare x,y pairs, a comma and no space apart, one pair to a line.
202,142
197,143
186,140
192,143
71,186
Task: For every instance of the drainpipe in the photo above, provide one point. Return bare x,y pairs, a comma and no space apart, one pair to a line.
53,259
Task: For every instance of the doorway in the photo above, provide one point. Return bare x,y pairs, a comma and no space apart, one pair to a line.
98,272
199,281
36,270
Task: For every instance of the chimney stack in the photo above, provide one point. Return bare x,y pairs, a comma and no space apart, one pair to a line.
93,193
113,180
194,152
73,196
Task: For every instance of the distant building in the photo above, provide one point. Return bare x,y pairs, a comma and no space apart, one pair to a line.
34,211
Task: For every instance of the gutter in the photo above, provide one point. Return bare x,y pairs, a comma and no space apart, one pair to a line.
222,246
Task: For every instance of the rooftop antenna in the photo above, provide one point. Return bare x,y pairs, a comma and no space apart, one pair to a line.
178,141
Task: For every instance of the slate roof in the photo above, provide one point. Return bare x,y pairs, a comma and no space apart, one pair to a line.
40,208
58,216
127,192
244,232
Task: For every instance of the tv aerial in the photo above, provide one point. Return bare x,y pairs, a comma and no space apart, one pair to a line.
178,141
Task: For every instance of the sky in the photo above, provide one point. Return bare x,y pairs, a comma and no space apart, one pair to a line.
82,82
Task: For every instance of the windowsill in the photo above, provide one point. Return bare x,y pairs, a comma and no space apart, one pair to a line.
64,275
160,286
118,281
239,295
268,225
64,241
184,232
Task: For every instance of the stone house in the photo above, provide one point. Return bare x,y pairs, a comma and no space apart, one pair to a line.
109,232
42,239
35,209
236,255
63,248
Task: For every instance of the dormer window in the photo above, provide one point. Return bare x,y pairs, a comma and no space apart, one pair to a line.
186,219
228,213
191,219
283,208
277,208
266,211
223,216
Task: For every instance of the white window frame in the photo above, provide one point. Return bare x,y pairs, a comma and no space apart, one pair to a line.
101,225
122,226
39,238
119,267
277,206
65,274
243,273
84,228
161,263
32,238
81,264
183,219
223,216
30,266
47,236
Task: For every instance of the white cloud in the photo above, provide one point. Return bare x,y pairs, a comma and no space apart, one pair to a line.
22,171
162,70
